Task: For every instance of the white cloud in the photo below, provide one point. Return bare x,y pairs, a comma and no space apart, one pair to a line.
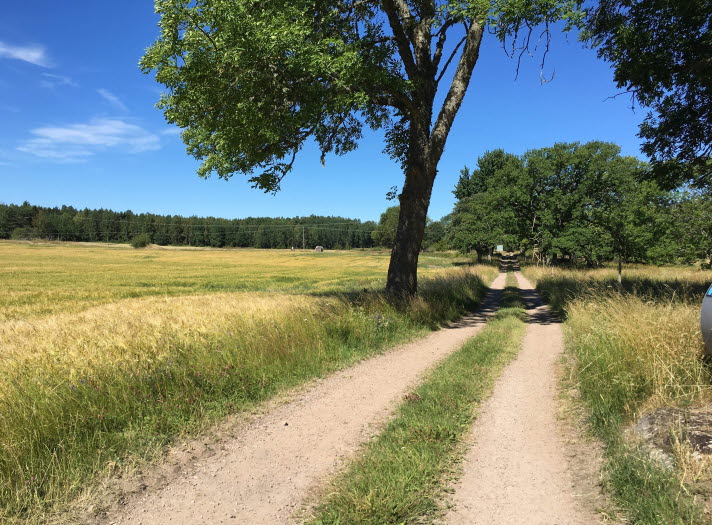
33,53
77,142
171,131
112,99
52,81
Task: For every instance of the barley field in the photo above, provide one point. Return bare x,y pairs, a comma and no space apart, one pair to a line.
38,279
107,353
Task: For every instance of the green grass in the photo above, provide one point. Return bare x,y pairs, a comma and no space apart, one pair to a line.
402,475
511,304
86,391
634,352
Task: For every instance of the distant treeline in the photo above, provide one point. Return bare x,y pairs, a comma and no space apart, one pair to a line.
26,221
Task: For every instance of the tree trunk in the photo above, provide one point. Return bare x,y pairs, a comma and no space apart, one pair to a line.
414,202
620,272
427,137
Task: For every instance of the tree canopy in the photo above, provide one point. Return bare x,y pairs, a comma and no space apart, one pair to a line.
251,81
569,201
660,51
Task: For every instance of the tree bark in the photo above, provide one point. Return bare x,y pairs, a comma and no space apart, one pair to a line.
427,138
620,272
414,203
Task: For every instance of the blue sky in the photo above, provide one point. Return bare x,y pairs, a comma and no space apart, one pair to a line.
78,124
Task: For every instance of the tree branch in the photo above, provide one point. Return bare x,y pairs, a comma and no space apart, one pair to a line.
207,35
442,37
447,63
457,90
402,40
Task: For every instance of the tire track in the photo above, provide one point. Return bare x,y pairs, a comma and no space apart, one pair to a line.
516,471
265,473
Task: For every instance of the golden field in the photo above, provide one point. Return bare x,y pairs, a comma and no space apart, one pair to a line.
108,353
44,278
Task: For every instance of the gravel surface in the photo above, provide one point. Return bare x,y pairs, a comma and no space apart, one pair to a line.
267,470
516,471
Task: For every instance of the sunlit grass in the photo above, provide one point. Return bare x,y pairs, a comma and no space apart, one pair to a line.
91,376
39,279
636,349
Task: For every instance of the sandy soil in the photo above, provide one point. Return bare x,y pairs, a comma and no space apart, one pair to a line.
264,474
517,469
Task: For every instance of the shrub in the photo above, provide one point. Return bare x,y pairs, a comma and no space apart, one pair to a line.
141,240
23,234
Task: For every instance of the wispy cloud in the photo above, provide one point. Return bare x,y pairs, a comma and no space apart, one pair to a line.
52,81
33,53
112,99
78,142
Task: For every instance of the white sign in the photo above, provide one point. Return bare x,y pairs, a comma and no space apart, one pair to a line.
500,248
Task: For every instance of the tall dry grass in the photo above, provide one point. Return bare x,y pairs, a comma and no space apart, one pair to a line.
640,355
80,391
637,348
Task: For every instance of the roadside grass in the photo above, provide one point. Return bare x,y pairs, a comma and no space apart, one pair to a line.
656,284
85,393
635,352
402,475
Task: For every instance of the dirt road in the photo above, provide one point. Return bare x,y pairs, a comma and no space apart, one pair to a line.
265,473
516,470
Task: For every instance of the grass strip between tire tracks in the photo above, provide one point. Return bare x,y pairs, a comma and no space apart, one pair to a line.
400,477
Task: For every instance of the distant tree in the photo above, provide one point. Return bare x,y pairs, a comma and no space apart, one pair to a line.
476,226
252,81
436,233
108,226
479,180
385,233
568,201
141,240
24,234
484,214
660,51
693,227
626,209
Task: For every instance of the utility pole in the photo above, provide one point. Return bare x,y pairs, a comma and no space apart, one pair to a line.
304,245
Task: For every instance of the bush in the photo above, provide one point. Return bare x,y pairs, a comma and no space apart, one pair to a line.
141,240
23,234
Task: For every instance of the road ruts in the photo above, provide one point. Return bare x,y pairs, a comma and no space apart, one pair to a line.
265,473
516,471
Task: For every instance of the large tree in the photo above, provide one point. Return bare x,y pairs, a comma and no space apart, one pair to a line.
627,209
661,51
569,200
251,81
